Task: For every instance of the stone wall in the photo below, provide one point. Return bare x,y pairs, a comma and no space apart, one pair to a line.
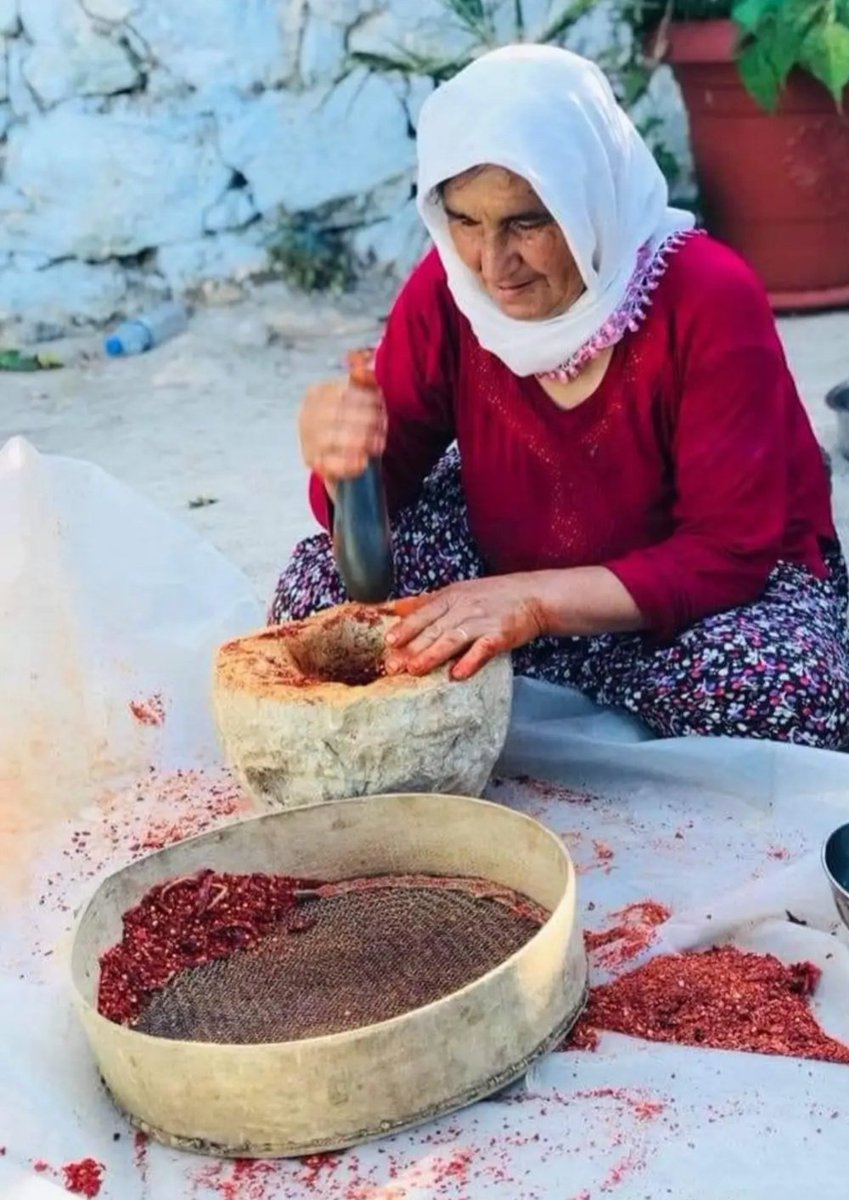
150,145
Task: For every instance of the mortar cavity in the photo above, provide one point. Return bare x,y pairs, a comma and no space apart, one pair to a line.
348,648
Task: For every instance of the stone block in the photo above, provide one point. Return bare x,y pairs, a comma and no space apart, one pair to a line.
111,183
322,51
9,18
61,294
235,209
251,43
304,150
221,256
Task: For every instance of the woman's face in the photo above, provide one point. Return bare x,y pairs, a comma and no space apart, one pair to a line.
504,234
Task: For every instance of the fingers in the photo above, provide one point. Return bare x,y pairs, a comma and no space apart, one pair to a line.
477,656
361,368
341,426
409,604
446,647
454,625
421,660
419,617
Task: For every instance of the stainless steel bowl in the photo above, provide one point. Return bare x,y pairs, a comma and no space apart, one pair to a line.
837,399
835,861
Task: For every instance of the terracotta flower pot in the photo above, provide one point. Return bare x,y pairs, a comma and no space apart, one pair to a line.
775,186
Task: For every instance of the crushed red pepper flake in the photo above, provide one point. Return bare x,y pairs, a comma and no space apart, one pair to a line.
140,1143
316,1166
243,1179
84,1178
634,932
556,791
150,711
203,799
603,855
187,922
722,998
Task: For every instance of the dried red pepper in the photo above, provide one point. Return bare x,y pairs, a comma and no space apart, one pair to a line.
83,1178
185,923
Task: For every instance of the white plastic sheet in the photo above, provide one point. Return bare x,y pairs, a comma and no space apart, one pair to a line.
726,834
109,616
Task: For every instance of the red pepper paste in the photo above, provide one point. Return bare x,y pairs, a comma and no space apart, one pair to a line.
723,998
185,923
83,1178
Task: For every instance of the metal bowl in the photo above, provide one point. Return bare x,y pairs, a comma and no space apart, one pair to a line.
835,861
837,399
838,396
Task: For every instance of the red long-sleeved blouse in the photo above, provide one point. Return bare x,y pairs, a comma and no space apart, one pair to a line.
689,473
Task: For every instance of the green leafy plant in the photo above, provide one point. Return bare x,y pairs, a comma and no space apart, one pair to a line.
477,18
16,360
779,35
629,74
312,257
776,36
645,15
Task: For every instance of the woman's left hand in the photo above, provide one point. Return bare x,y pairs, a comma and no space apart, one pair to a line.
471,622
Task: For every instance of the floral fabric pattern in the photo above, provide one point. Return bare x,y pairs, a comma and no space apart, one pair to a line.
777,668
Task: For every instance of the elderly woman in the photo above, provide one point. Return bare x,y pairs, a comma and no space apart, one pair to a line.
636,505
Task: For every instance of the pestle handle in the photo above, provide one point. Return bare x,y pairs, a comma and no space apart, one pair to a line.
362,543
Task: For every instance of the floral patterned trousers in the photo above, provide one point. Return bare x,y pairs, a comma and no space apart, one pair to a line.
777,668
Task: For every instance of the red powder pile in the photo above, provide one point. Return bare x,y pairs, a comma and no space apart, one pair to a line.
185,923
723,998
83,1178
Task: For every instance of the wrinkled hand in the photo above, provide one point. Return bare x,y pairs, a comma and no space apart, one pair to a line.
471,622
341,426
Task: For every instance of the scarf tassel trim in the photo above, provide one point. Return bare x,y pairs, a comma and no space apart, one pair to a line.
633,310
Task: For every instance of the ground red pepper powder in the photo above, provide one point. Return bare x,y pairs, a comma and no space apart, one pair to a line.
83,1178
256,662
723,998
185,923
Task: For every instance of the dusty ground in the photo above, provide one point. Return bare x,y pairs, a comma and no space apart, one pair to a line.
212,414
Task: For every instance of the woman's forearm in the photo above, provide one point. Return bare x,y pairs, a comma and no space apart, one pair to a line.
582,601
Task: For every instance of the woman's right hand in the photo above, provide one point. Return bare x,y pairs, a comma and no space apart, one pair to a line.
341,427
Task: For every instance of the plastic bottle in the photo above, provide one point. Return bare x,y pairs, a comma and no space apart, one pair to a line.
149,330
362,542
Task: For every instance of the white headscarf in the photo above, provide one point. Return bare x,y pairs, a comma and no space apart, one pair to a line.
550,116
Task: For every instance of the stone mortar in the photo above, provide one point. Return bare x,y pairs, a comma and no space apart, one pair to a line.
305,714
